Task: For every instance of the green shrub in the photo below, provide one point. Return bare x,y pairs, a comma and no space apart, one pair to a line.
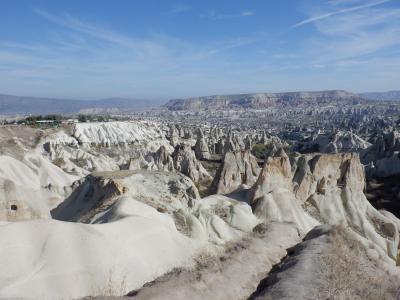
260,150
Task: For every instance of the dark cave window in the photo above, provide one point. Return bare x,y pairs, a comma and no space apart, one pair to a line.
14,207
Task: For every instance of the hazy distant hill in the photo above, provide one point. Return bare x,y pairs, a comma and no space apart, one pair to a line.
386,96
34,105
262,100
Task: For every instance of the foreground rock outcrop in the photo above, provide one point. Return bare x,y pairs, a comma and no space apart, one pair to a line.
329,264
323,188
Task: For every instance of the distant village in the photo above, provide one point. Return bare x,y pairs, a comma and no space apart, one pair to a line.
55,120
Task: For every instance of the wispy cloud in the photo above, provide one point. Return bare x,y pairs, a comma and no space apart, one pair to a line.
219,16
353,36
178,9
77,55
339,12
86,28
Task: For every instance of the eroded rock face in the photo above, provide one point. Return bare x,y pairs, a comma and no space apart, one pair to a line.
238,168
160,160
383,157
272,198
173,136
99,191
185,162
330,188
201,148
338,142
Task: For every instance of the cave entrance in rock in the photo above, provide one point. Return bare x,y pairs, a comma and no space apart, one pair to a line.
14,207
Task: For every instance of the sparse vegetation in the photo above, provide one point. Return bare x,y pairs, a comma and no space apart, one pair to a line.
349,274
113,287
260,150
59,162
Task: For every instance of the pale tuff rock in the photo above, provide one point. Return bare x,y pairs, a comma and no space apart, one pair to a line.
383,157
103,146
201,148
182,160
229,144
238,269
330,263
19,203
238,168
151,221
248,143
338,142
185,162
49,259
115,133
330,187
30,188
160,160
173,136
268,139
272,198
163,160
103,197
220,146
187,134
96,193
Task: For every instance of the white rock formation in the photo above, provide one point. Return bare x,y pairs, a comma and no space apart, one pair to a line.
201,148
149,222
49,259
30,188
330,187
185,162
383,157
272,196
238,168
338,142
115,133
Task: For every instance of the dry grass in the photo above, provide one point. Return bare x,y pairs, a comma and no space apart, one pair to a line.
112,287
59,162
348,274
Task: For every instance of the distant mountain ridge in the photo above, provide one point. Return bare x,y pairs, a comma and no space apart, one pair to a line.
385,96
262,100
10,104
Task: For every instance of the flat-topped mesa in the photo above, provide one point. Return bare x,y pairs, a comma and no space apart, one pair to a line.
330,189
261,100
238,168
185,162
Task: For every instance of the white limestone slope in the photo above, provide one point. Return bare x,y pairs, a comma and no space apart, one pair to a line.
47,164
116,133
143,224
104,146
48,259
31,188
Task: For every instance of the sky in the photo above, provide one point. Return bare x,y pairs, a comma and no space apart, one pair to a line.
158,49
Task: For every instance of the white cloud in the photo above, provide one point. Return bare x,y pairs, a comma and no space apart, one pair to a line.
218,16
178,9
339,12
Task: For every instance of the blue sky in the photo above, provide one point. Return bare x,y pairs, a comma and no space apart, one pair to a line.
166,49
